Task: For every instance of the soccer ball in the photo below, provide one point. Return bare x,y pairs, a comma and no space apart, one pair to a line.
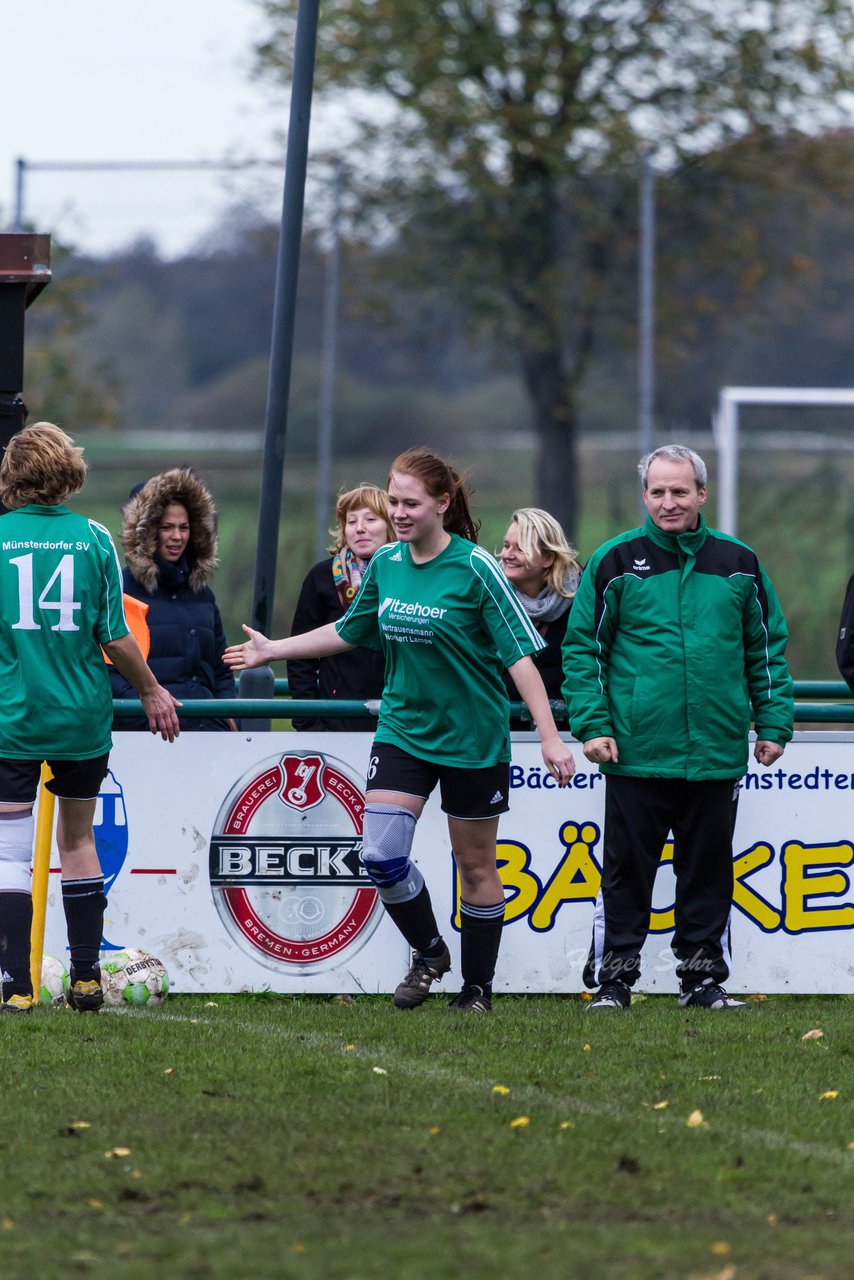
54,981
134,976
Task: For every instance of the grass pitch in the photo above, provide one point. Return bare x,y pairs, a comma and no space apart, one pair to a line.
255,1137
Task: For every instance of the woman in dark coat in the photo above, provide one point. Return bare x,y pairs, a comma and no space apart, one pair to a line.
363,526
544,571
170,541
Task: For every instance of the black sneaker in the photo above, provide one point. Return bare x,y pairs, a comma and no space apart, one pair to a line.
472,999
17,1004
709,995
425,970
611,995
86,995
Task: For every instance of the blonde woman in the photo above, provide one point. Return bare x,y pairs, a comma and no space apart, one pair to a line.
544,571
330,587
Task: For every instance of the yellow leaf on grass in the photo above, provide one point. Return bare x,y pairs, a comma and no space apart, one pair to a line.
115,1152
570,1124
721,1247
95,1204
828,1093
500,1088
348,1048
587,995
756,998
80,1124
661,1106
379,1071
771,1219
521,1122
695,1119
587,1048
435,1128
815,1034
8,1224
851,1146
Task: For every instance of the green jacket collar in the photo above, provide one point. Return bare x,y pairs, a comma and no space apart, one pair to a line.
686,543
38,509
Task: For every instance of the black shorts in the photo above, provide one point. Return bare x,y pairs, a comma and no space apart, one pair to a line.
466,793
72,779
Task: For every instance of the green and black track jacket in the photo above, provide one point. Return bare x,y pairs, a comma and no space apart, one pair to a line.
672,641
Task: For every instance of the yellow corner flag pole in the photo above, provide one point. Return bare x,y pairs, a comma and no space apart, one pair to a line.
41,873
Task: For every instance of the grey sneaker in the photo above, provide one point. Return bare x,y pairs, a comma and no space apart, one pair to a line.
425,970
709,995
472,999
611,995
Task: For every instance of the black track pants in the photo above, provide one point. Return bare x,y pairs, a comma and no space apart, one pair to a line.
640,813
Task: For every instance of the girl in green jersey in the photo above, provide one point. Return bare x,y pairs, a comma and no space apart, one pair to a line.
448,624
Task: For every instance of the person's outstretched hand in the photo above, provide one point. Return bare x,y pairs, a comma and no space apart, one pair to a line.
254,652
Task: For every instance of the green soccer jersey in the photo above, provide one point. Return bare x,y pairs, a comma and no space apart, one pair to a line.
60,599
447,628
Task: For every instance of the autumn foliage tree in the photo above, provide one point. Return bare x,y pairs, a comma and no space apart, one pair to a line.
499,140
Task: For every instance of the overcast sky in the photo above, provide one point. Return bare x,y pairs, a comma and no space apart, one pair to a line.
98,80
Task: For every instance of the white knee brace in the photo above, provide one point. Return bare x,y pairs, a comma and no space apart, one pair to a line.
16,851
388,831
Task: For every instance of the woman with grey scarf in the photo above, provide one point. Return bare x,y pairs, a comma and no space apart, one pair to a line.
544,571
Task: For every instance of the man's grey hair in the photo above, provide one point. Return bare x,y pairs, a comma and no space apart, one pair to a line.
675,453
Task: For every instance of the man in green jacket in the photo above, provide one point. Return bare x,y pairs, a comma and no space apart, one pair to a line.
675,636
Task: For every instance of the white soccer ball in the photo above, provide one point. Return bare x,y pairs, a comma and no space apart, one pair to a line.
54,981
134,976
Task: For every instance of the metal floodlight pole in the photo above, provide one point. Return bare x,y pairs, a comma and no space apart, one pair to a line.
646,304
326,415
282,343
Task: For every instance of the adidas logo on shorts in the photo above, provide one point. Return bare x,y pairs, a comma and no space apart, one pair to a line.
497,798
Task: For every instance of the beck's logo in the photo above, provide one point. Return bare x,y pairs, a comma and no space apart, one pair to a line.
301,787
285,864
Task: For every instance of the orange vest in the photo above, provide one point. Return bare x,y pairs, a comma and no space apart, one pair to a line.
135,612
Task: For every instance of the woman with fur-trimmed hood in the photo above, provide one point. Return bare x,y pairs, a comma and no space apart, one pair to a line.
170,540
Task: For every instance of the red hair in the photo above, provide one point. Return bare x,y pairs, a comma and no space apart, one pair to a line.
439,477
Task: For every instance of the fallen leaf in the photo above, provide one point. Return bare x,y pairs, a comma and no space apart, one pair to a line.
500,1088
169,1071
771,1219
587,995
435,1128
721,1247
570,1124
851,1146
695,1120
379,1071
587,1048
815,1034
95,1204
348,1048
828,1093
8,1224
521,1122
80,1124
756,998
115,1152
661,1106
211,1004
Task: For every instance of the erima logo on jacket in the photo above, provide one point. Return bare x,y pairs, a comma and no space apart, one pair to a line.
413,609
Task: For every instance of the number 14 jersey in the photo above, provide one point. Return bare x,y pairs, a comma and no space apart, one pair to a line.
60,600
447,628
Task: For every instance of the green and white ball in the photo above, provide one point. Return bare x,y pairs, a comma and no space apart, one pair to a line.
135,977
54,981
